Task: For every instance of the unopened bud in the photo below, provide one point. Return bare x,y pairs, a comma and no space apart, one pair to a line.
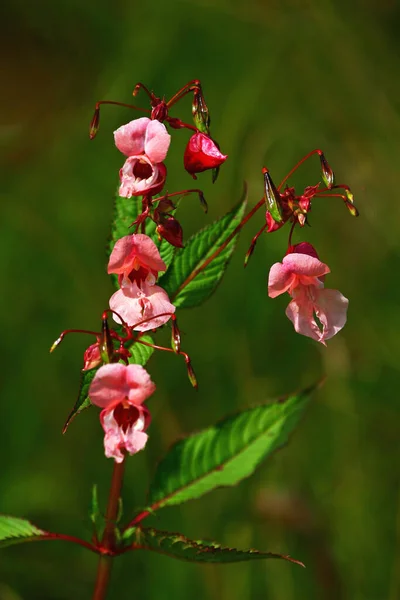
159,112
175,337
349,195
272,197
350,202
171,230
191,375
106,346
201,154
92,357
353,210
328,175
56,343
201,115
95,123
165,205
203,202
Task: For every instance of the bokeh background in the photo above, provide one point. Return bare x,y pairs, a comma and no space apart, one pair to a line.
281,78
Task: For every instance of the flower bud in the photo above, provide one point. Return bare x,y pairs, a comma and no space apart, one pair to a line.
200,113
191,374
175,337
106,346
92,357
328,175
202,153
159,112
272,198
171,230
303,248
95,123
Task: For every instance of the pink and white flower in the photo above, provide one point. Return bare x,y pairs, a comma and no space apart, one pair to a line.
134,257
137,261
145,142
144,302
120,391
302,274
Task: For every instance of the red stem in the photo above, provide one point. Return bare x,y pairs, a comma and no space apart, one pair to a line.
67,538
108,541
186,89
306,157
122,104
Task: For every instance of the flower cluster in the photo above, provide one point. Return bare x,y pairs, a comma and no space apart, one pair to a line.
315,312
140,304
145,143
302,274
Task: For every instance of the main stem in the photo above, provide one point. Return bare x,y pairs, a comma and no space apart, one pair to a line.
107,543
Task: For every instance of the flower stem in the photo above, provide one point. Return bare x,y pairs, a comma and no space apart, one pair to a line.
107,544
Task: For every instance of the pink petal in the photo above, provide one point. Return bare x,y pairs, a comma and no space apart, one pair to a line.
136,304
130,138
108,385
305,265
331,309
117,439
279,280
301,312
135,441
132,251
116,382
139,384
157,141
132,185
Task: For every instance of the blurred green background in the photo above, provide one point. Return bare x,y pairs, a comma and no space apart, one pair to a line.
281,78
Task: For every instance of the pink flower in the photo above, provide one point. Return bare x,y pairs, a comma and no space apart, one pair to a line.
121,390
134,257
301,274
145,142
202,153
139,302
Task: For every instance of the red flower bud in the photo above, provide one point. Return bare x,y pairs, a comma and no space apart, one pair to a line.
95,123
201,154
327,174
303,248
171,230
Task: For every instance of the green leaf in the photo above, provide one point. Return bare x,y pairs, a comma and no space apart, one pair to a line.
225,453
126,210
82,401
140,353
198,249
15,531
179,546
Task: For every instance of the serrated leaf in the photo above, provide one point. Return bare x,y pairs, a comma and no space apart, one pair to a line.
140,353
126,210
198,249
226,453
178,546
82,401
16,531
